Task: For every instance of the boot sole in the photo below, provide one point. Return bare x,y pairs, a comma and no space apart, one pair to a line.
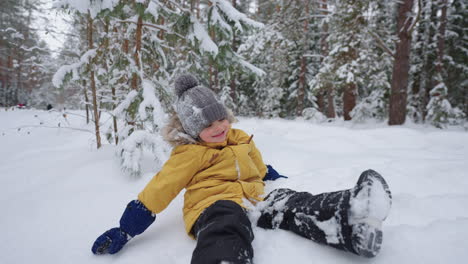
369,206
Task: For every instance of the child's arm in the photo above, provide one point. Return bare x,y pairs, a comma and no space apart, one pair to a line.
176,174
134,221
158,193
269,173
256,157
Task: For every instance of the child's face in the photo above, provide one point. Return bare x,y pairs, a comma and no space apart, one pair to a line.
216,132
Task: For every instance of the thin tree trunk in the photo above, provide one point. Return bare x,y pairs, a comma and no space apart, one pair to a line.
9,79
425,72
212,70
2,83
302,74
114,98
85,91
136,55
331,113
441,37
400,74
349,100
350,89
233,77
329,90
93,83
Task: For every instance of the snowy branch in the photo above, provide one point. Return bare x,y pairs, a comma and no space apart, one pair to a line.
57,127
381,44
416,20
152,26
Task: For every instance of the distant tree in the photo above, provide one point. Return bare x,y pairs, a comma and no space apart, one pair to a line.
456,55
340,68
400,73
23,56
440,111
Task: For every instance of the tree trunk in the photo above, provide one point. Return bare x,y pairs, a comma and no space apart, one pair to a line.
425,77
212,67
93,83
331,113
136,55
233,76
349,100
85,91
441,37
114,98
8,79
350,89
302,74
329,90
400,73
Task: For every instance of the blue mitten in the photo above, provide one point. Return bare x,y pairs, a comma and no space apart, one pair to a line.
135,220
272,174
110,242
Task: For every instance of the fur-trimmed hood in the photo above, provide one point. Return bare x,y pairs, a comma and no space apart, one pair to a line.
175,134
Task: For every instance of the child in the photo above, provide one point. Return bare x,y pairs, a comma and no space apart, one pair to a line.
221,169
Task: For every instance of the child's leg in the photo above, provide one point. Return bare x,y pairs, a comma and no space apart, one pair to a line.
349,220
224,233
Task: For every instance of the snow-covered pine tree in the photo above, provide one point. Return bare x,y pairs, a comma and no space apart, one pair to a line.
144,65
375,63
422,61
23,55
124,58
225,25
261,95
288,58
457,54
342,65
439,110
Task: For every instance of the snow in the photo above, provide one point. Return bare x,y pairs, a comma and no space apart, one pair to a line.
235,16
153,9
199,32
94,7
59,76
259,72
120,109
150,101
59,192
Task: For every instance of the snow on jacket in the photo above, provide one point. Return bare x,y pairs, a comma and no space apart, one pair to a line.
231,170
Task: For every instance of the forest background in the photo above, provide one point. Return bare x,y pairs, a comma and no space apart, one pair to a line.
353,60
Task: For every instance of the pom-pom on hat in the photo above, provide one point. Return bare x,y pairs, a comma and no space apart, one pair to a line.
196,106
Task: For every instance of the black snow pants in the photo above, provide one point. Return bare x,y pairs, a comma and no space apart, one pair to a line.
322,218
224,231
224,235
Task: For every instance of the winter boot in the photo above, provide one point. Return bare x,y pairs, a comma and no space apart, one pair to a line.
349,220
369,206
322,218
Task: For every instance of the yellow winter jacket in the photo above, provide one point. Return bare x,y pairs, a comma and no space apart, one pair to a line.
231,170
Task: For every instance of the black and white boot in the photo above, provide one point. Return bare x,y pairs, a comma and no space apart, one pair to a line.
349,220
370,204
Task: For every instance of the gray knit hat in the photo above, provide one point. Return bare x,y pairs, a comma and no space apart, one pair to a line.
196,106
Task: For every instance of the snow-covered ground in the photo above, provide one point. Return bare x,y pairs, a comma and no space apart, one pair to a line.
59,193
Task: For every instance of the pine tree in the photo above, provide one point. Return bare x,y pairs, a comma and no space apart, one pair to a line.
375,63
137,50
342,65
400,73
457,54
440,111
22,54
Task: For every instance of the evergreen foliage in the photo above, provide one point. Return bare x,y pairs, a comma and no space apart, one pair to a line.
316,59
